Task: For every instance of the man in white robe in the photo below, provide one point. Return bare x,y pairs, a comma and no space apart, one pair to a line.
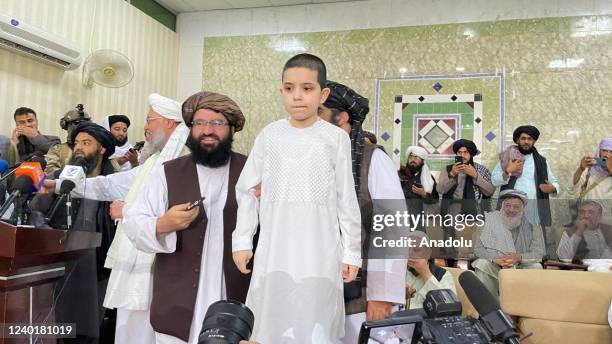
129,287
384,289
193,265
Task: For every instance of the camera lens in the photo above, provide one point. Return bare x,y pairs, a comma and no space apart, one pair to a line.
226,322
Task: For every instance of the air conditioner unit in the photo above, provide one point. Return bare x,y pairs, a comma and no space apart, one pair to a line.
36,43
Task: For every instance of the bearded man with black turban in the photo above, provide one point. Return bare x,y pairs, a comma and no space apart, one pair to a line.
529,172
381,285
79,293
193,246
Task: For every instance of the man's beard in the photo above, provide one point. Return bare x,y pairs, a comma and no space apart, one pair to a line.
511,222
525,152
414,169
120,143
87,162
210,157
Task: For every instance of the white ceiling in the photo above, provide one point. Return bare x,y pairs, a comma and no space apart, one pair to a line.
180,6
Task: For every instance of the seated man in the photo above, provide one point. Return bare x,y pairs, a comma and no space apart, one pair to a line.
423,275
588,238
27,138
507,240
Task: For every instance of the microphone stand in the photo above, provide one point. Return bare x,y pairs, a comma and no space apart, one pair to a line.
68,211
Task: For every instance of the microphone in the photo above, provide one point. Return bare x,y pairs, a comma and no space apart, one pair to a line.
32,170
66,187
4,166
13,168
498,323
23,186
75,175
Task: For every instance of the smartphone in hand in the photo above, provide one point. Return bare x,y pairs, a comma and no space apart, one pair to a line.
195,203
458,159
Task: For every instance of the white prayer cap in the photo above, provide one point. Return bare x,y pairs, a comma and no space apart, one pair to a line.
508,193
418,151
166,107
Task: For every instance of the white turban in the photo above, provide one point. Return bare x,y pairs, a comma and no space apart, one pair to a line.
166,107
426,178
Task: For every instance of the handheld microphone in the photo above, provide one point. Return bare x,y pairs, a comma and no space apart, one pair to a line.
498,323
13,169
75,175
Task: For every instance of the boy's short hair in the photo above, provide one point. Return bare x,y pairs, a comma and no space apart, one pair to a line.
311,62
23,111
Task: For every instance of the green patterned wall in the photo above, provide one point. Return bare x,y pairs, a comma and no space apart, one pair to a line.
558,75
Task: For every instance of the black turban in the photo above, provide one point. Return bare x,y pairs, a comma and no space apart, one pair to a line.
345,99
112,119
469,145
103,136
527,129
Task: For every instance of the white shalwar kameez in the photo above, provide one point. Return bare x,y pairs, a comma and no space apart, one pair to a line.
309,225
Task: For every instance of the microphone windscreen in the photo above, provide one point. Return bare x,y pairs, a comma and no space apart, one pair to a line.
67,186
24,184
480,297
3,165
32,170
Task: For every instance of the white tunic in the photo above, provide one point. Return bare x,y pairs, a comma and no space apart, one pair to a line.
385,276
140,228
310,225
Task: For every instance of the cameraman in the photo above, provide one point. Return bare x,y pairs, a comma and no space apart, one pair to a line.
423,275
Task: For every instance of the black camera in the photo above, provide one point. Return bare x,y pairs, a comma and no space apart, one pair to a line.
226,322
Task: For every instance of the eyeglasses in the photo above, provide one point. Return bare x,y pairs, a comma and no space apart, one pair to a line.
215,123
149,120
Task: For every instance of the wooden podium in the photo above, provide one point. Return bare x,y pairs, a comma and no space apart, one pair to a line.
31,260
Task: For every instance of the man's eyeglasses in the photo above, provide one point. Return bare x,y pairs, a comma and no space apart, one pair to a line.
215,123
149,120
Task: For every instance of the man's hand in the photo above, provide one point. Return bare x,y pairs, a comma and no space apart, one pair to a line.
132,157
258,191
455,169
378,310
15,136
586,162
248,342
419,191
47,187
349,273
514,166
176,218
421,266
469,170
547,187
28,132
499,261
580,227
512,259
242,259
116,210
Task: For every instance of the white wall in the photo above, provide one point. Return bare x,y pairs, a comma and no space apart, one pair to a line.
92,25
193,27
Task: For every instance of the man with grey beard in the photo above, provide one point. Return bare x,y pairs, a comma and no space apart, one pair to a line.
507,240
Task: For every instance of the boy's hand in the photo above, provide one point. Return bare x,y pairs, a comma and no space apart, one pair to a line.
241,259
349,273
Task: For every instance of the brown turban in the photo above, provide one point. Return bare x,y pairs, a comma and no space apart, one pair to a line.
215,102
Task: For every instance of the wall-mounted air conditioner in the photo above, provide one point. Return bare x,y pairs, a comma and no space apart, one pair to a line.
36,43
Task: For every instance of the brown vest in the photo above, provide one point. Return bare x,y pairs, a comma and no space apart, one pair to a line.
365,204
176,275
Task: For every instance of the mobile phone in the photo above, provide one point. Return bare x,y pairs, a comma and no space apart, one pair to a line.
601,162
418,185
458,159
132,150
195,203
